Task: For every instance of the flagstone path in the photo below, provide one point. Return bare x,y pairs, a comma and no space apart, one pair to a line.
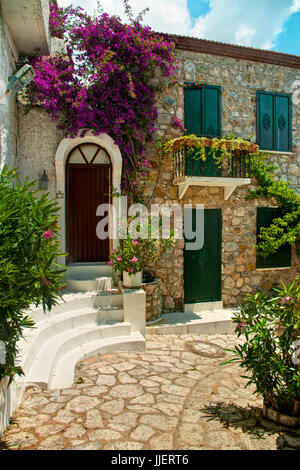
173,396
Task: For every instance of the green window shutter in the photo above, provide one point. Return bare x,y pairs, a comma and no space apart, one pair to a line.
265,122
192,110
211,108
274,121
282,123
282,258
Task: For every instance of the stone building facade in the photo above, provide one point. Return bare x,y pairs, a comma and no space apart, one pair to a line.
240,72
239,78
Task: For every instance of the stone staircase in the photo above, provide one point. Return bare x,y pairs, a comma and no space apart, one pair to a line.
89,320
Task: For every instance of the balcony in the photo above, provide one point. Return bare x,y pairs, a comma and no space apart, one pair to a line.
190,170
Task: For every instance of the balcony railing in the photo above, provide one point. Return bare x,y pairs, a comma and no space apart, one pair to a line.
237,165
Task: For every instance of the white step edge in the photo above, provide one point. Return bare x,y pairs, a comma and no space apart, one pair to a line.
76,300
62,375
44,330
50,353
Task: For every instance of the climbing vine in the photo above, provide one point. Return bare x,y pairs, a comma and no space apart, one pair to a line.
103,82
283,230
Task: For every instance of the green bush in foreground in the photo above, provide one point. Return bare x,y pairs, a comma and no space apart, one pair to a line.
28,272
270,353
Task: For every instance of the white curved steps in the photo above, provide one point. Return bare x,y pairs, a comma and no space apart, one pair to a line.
83,324
49,356
63,376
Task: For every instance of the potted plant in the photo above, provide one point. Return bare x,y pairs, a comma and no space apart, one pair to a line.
128,260
270,326
137,249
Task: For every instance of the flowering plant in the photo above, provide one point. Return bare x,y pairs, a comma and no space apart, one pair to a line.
148,244
103,82
29,273
128,257
270,327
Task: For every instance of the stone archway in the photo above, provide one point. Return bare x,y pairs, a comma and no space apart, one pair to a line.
62,152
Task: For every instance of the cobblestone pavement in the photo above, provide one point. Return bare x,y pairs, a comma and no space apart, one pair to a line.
173,396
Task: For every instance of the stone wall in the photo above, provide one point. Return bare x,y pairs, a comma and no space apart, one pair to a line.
154,300
239,79
37,144
8,109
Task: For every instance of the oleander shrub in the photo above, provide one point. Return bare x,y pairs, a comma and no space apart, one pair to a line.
28,271
269,353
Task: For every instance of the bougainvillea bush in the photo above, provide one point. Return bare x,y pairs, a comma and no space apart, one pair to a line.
103,82
28,273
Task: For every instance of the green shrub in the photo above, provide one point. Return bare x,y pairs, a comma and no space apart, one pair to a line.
28,272
270,325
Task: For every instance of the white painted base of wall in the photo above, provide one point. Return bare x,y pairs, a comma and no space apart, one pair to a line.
203,306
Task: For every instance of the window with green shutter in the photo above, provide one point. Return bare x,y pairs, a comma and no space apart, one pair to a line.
202,117
202,110
282,258
274,121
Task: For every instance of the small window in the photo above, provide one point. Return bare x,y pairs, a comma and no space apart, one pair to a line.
274,121
280,259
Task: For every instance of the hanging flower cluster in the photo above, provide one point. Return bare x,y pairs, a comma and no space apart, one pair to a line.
56,20
103,82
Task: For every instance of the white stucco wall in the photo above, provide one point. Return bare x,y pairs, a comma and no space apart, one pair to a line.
8,109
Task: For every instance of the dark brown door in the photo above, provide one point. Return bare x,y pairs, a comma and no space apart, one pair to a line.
88,186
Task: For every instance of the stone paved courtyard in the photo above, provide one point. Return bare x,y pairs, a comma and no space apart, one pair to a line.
173,396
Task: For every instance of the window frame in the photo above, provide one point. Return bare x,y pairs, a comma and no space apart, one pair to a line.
266,263
201,87
290,120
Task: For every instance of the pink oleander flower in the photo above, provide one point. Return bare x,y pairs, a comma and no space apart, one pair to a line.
110,263
135,242
242,327
130,270
286,299
134,260
119,259
45,282
47,234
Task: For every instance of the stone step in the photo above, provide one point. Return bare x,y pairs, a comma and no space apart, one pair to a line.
44,330
208,322
85,277
49,356
74,301
89,270
63,374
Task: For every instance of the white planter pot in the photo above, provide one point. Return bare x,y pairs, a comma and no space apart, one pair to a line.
133,281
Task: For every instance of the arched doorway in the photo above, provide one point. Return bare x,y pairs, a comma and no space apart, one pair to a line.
88,184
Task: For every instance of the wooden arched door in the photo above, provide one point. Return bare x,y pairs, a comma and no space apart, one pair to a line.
88,177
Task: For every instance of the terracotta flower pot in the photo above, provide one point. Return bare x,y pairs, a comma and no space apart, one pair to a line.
207,143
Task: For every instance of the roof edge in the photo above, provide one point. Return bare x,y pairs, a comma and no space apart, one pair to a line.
236,52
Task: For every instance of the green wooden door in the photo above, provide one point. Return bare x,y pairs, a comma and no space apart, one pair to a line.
202,268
